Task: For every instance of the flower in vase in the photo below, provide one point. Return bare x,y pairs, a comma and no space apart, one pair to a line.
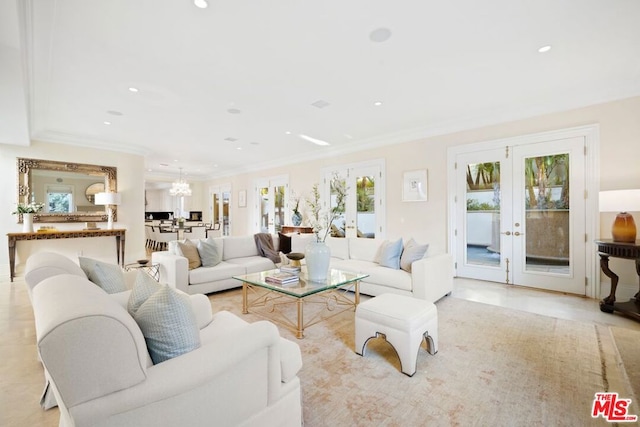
32,207
321,218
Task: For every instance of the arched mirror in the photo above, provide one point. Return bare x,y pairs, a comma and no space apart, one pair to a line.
67,189
92,190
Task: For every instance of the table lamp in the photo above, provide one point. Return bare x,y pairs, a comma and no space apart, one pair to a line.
108,199
623,202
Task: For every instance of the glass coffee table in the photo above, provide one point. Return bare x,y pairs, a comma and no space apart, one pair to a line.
340,292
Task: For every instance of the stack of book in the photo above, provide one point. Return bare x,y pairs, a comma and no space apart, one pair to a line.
290,269
282,278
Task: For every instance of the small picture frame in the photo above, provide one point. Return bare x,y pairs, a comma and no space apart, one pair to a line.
242,198
414,186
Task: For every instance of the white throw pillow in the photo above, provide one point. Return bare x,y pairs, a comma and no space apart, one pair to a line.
412,252
169,325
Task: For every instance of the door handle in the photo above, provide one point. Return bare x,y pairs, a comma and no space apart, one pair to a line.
517,233
508,233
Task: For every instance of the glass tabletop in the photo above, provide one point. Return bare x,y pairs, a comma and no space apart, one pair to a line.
303,287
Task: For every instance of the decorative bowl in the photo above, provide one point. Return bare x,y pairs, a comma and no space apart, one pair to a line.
142,261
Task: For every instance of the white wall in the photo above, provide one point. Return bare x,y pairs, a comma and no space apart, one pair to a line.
130,183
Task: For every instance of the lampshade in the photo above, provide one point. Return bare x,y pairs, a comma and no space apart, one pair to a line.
108,198
622,201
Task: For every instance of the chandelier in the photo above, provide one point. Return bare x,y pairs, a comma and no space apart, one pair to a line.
180,187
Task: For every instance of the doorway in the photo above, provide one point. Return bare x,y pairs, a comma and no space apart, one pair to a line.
520,214
364,202
272,195
220,212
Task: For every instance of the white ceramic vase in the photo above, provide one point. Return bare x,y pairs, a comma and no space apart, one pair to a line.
317,256
27,223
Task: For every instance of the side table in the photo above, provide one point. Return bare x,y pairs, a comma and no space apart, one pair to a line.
631,251
152,269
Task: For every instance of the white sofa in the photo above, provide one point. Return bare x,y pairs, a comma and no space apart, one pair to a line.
431,277
101,374
239,256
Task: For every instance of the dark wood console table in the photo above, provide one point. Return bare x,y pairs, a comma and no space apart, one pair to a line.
71,234
296,229
609,248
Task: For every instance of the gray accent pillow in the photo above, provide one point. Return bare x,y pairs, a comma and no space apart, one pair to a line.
210,255
168,324
143,288
108,276
412,252
389,254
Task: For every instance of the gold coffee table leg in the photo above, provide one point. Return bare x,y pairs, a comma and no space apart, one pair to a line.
300,331
244,298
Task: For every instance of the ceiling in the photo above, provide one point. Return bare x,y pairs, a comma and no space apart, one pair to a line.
231,88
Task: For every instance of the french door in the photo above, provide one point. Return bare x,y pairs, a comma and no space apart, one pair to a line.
272,195
364,202
220,212
520,215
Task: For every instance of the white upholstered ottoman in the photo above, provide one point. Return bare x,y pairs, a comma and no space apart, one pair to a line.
404,322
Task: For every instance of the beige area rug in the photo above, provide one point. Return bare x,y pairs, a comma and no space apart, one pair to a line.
495,366
628,345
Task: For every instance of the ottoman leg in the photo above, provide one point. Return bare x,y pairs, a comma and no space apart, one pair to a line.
431,335
407,347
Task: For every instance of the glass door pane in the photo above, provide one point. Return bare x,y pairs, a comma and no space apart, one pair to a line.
279,207
264,209
365,206
483,214
226,219
546,196
216,209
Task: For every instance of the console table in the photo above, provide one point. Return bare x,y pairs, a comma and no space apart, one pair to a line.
119,234
631,251
296,229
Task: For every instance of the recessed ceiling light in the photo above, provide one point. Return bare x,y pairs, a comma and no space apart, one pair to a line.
149,170
133,89
380,35
321,103
175,160
288,133
114,113
202,4
314,140
544,49
377,103
233,111
106,123
238,148
164,164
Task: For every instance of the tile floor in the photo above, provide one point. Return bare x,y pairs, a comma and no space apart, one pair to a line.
21,378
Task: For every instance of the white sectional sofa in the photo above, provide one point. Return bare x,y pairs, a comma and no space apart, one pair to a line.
100,371
431,277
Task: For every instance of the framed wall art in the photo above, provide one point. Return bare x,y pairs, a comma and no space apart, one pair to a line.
414,186
242,198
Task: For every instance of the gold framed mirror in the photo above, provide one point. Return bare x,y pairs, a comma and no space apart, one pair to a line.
64,188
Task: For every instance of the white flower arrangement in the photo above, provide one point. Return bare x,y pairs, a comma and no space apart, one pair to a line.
32,207
321,219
